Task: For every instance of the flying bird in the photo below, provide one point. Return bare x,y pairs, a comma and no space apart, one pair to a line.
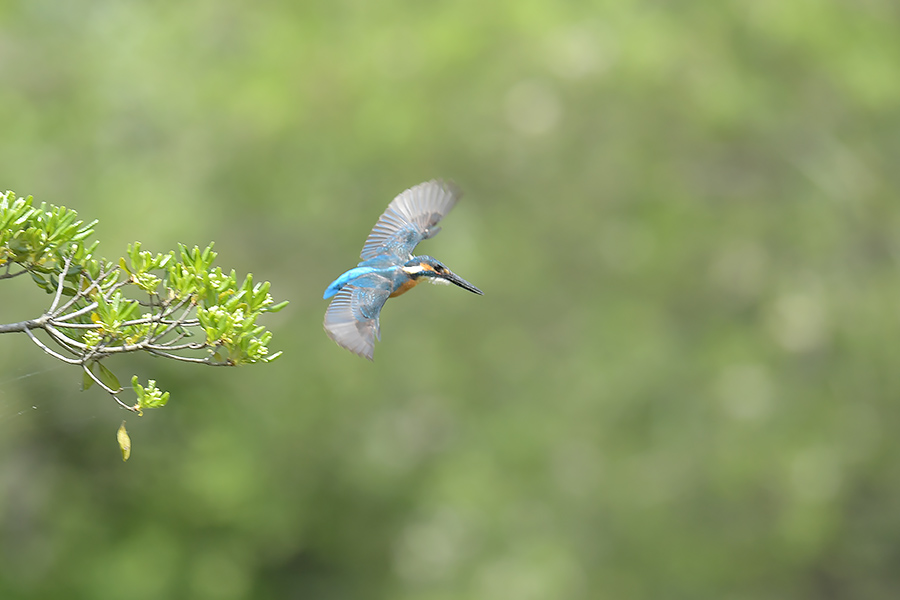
389,268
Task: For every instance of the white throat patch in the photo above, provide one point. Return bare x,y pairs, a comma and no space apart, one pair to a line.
413,269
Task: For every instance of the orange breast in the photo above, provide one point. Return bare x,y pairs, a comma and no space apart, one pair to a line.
407,285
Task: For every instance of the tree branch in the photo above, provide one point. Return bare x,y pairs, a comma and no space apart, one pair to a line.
100,319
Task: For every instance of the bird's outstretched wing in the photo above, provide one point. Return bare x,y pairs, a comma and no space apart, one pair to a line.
352,318
410,218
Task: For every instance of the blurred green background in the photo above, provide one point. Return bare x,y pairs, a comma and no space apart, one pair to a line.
681,382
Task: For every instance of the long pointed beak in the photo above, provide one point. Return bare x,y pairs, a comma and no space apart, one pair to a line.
456,279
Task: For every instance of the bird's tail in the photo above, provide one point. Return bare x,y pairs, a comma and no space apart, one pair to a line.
333,289
344,279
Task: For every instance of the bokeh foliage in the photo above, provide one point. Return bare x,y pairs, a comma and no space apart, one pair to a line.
681,383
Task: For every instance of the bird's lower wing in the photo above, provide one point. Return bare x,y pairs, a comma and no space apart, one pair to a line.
352,319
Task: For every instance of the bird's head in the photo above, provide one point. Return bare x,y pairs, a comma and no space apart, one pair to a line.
430,268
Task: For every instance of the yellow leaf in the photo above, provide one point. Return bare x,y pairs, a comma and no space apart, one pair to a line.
124,441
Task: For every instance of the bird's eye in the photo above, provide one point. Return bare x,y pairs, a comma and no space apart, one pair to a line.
438,269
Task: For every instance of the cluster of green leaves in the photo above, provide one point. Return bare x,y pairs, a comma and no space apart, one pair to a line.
145,302
35,238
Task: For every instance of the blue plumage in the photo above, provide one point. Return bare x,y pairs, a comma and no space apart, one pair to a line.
337,284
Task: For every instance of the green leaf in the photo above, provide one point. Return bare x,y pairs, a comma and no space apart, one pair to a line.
275,308
42,283
108,378
86,380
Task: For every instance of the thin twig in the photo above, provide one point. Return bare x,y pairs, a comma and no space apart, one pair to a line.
77,313
77,325
64,340
158,320
98,382
62,280
174,340
202,361
125,406
9,275
180,321
191,346
43,347
72,301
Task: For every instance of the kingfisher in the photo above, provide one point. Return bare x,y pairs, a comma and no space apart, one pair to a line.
388,268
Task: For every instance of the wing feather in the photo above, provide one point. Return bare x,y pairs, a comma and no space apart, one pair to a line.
410,218
352,318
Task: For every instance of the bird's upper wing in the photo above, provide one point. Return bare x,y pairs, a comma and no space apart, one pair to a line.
410,218
352,317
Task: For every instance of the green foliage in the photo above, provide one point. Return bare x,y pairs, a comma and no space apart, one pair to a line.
149,397
175,295
36,237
